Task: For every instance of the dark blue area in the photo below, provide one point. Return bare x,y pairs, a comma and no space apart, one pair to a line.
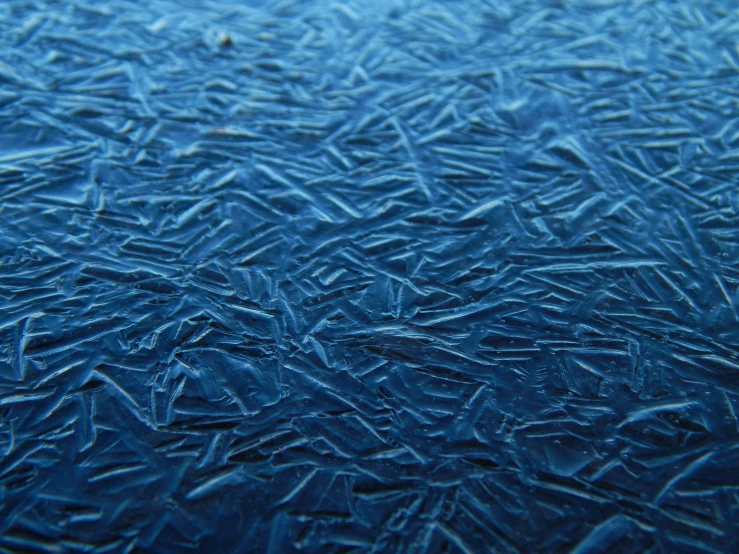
397,276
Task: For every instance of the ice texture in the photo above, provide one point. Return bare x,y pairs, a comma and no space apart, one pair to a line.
369,277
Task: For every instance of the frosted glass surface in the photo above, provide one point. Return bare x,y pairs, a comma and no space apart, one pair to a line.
369,277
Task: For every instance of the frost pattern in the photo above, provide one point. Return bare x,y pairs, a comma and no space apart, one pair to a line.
369,276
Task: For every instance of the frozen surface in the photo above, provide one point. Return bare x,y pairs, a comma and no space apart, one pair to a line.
392,277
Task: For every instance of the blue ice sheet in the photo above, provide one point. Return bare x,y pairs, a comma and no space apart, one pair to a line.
354,277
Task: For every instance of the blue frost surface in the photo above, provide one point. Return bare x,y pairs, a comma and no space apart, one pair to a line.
353,277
